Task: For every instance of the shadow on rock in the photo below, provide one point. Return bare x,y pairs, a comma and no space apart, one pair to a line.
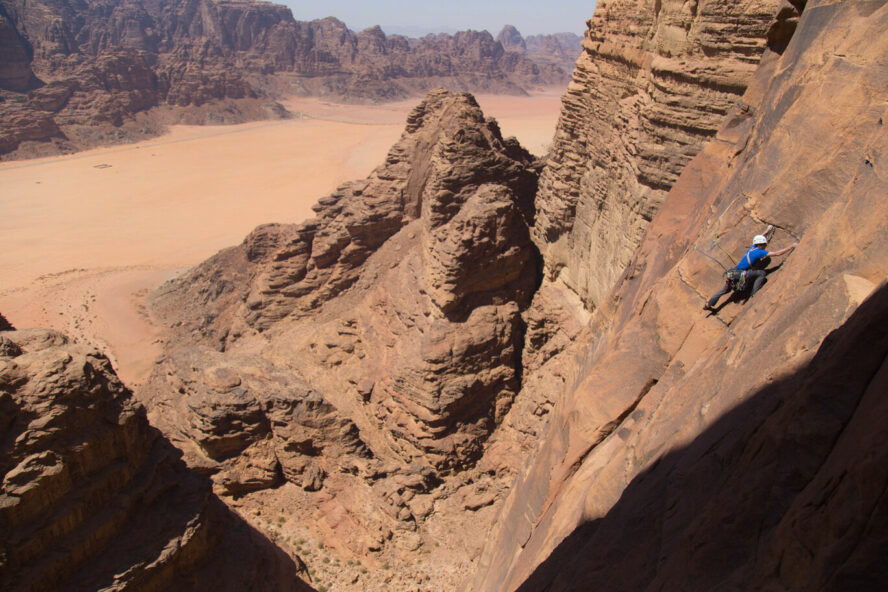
787,491
94,498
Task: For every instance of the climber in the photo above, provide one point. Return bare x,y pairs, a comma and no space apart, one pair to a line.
750,267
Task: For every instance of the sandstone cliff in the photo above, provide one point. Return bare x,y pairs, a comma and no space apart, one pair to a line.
390,366
367,355
373,66
93,498
74,75
652,86
560,49
742,450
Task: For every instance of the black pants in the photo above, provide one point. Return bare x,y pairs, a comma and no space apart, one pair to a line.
756,275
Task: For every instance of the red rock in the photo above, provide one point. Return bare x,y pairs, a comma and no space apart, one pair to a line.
559,49
410,361
694,451
15,68
396,360
651,88
119,60
92,497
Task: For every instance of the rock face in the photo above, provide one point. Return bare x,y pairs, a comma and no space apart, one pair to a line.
652,86
15,67
560,49
740,450
357,353
93,498
75,74
401,358
371,66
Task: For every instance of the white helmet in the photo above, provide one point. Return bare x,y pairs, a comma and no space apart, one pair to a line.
759,239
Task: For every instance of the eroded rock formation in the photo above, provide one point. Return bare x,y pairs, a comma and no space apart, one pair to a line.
371,352
94,498
75,75
737,450
391,365
561,49
652,86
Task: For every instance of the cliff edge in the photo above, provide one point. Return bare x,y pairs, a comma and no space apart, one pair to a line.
735,450
506,369
653,84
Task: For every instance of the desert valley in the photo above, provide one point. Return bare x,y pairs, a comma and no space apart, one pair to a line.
285,306
86,236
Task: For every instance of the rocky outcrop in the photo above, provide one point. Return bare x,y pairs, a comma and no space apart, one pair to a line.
381,67
437,172
252,425
652,86
107,98
560,49
95,71
737,450
4,324
356,355
93,497
511,40
392,364
15,59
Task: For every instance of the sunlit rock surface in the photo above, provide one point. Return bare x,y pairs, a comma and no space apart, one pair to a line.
736,450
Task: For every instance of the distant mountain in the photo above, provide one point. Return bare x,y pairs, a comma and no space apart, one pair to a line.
416,32
559,49
76,74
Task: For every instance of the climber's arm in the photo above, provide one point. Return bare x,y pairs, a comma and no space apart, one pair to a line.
783,251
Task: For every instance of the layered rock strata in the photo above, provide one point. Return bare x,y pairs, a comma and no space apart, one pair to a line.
737,450
357,354
652,86
94,498
561,49
15,58
358,360
74,75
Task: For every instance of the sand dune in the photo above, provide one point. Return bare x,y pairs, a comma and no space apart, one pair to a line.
84,237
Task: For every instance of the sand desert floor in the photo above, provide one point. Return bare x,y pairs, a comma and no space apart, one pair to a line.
85,237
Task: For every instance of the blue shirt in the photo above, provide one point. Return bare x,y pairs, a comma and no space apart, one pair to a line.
752,256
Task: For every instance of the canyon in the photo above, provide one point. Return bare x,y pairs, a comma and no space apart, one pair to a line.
80,75
477,369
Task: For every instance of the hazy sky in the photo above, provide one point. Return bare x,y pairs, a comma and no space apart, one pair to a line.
424,16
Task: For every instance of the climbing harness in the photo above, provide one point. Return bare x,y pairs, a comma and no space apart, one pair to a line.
736,279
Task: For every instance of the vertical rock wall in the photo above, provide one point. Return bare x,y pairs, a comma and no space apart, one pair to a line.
742,449
653,84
